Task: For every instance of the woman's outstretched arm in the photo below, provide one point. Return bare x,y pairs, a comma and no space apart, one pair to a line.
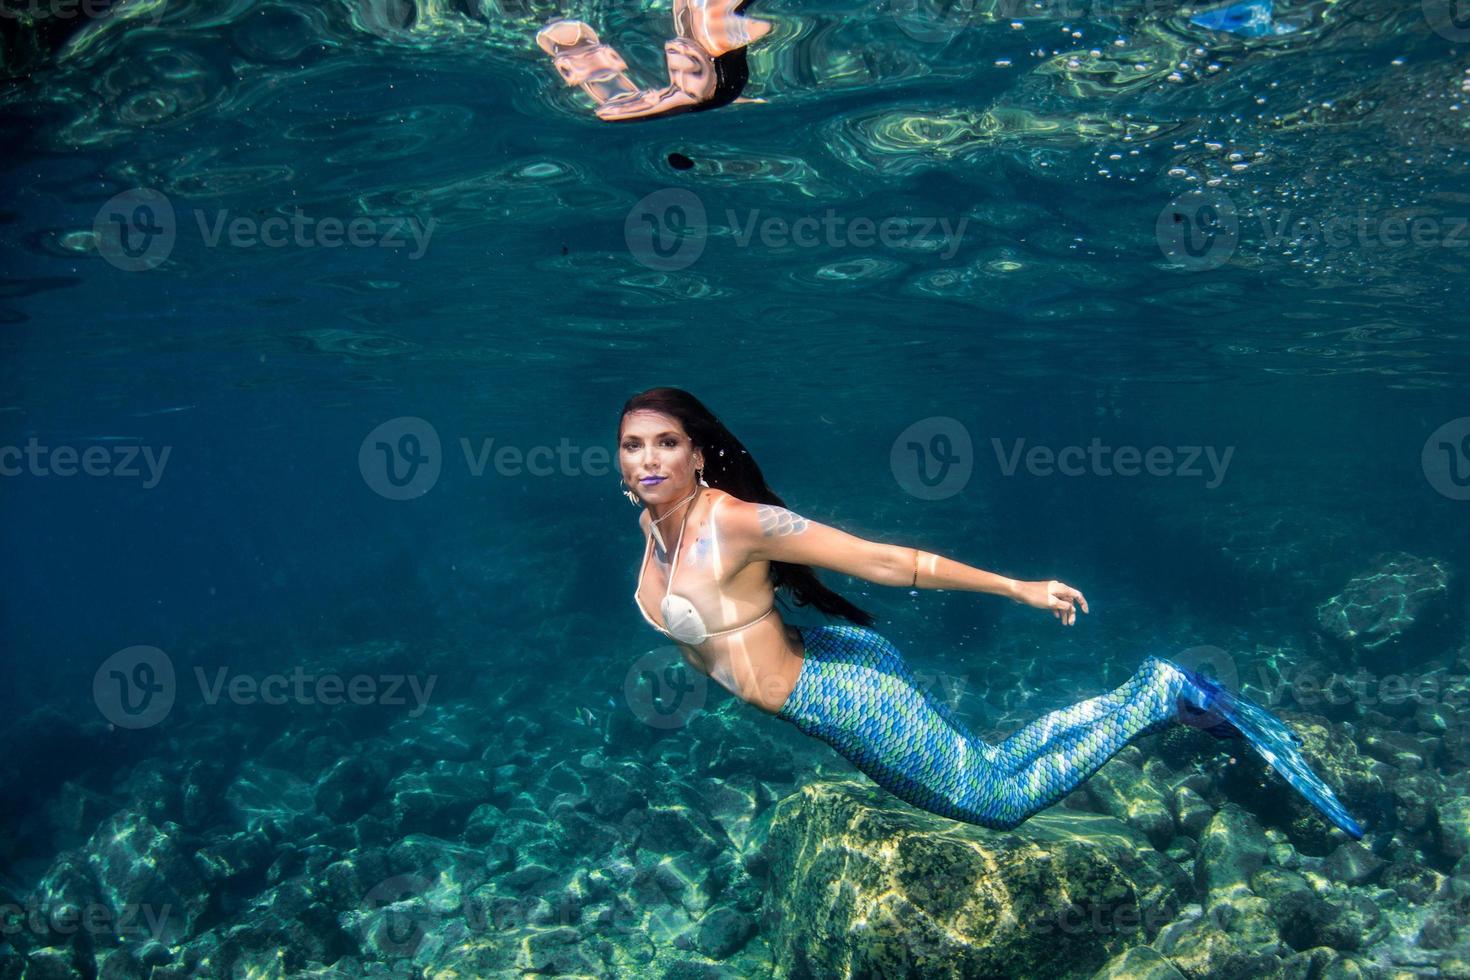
766,532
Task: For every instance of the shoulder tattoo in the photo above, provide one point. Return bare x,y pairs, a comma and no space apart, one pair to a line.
776,521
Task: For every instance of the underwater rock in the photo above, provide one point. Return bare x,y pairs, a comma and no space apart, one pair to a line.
722,931
438,802
1138,963
483,824
145,873
1294,905
1232,847
739,806
348,788
1377,608
1352,864
200,794
672,830
1191,811
1415,883
860,884
1203,950
55,963
272,800
64,896
237,856
1452,827
1121,790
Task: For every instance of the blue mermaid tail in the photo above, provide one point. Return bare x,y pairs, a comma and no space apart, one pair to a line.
856,693
1268,735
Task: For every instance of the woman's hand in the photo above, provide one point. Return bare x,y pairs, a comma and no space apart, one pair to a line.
1059,597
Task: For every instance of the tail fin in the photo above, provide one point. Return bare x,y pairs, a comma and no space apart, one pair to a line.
1275,742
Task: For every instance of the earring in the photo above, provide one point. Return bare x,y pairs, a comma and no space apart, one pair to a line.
632,497
699,475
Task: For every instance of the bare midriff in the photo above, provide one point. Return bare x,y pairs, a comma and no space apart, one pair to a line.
758,664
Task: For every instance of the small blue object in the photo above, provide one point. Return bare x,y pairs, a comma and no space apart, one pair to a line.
1249,19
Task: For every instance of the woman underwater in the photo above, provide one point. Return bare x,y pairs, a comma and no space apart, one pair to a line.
734,542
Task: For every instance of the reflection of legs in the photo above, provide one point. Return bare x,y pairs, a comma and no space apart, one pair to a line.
856,693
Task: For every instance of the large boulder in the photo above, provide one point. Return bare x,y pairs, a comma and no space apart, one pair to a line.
861,884
1377,608
146,874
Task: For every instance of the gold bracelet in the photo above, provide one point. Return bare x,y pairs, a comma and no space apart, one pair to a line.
916,569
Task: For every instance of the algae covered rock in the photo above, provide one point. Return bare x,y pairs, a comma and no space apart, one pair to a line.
861,884
1138,963
142,866
1376,608
1232,847
1121,790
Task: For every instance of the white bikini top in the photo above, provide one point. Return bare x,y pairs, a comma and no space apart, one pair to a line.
685,625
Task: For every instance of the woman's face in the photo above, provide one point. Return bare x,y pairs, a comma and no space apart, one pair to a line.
652,444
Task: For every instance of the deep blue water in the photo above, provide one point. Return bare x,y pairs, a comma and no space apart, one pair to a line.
1162,236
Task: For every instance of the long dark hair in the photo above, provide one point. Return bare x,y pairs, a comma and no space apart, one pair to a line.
728,466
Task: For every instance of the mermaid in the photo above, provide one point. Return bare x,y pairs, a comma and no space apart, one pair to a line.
736,543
